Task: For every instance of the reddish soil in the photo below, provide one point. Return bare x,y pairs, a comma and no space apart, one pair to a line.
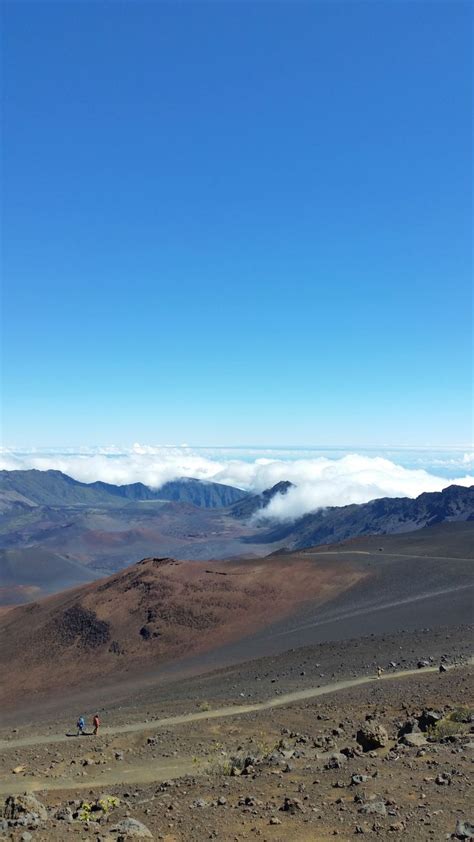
155,612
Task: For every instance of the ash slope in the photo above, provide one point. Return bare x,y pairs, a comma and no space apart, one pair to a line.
163,615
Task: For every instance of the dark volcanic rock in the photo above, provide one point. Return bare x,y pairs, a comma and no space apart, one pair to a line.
371,736
429,718
19,807
80,625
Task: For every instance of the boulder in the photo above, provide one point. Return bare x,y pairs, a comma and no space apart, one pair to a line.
415,740
429,718
292,805
131,829
464,830
373,808
372,735
64,814
336,761
19,806
359,779
410,726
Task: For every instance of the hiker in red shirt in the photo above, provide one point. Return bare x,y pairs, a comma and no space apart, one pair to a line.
96,723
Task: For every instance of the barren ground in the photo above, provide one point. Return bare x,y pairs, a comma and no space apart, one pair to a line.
166,752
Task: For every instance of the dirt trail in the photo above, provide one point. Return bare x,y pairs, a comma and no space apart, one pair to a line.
382,554
148,772
218,713
162,769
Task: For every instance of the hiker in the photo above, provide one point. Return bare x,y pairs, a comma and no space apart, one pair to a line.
379,672
81,724
96,724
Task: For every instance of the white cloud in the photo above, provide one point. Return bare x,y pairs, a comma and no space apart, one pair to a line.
321,480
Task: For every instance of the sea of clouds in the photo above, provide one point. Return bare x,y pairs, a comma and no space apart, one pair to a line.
323,477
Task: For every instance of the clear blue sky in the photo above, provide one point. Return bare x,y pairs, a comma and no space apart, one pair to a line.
237,222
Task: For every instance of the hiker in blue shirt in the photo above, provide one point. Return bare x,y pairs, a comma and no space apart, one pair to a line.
81,724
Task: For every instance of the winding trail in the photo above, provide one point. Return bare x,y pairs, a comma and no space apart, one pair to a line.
220,713
164,768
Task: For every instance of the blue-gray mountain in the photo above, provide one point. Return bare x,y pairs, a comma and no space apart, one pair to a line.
53,488
387,515
56,532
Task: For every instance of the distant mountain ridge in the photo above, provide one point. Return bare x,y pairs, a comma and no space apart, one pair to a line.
387,515
56,532
53,488
250,505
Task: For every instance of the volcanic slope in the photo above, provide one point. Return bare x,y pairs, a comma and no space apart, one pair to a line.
386,515
163,614
53,488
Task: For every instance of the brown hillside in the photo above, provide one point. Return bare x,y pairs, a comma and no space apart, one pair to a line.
154,612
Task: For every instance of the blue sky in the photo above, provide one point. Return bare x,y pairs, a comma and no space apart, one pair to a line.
237,223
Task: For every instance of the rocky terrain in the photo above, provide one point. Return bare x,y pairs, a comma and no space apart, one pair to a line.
306,745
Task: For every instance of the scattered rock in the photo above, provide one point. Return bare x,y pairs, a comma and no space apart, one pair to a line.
429,718
397,827
464,830
292,805
409,727
373,808
64,814
359,779
336,761
131,829
372,735
414,740
19,806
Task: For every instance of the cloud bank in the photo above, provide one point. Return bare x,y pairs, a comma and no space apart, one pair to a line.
320,480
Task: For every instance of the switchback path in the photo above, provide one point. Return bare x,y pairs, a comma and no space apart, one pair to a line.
228,711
